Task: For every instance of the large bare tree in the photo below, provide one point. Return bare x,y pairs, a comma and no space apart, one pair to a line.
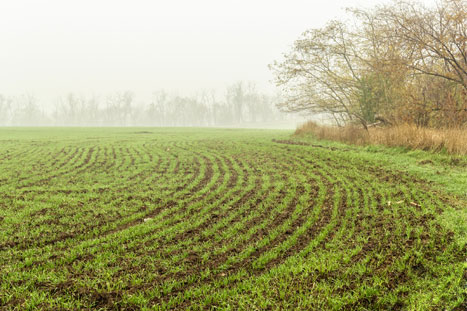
382,65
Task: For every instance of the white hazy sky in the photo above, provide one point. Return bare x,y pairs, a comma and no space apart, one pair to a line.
51,47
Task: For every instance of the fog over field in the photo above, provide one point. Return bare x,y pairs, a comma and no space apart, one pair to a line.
63,61
233,155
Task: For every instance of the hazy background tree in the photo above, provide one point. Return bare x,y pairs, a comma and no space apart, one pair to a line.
5,110
240,105
28,112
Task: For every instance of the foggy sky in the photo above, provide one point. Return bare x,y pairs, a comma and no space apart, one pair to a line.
51,47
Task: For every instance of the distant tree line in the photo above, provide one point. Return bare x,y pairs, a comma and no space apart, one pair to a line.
396,63
242,104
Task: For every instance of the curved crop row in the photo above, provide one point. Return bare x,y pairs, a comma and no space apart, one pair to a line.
215,219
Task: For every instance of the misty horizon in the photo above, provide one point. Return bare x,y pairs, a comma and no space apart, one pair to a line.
52,48
241,105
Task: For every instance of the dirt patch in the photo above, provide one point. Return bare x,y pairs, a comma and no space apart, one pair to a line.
424,162
301,143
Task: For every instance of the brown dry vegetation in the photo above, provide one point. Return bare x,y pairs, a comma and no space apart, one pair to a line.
453,141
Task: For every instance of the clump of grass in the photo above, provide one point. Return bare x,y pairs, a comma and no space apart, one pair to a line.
453,141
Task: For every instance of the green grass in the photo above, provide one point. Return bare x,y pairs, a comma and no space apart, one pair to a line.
447,173
163,219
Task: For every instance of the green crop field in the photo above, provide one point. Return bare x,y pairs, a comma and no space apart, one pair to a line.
176,219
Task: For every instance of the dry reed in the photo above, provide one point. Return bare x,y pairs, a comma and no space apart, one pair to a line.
453,141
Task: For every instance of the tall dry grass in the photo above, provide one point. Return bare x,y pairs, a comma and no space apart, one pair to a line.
453,141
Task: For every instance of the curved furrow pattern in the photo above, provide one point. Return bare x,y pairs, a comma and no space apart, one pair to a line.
214,219
133,219
51,164
125,222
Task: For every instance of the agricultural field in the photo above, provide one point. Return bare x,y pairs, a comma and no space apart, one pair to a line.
179,219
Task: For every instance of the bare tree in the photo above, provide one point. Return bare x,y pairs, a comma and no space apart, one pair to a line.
5,110
235,99
323,73
436,38
385,64
28,112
